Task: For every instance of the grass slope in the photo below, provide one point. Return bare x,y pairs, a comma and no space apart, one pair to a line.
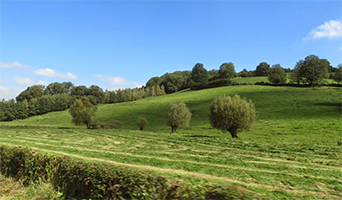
291,152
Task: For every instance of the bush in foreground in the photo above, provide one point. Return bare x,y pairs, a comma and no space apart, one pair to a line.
232,113
86,180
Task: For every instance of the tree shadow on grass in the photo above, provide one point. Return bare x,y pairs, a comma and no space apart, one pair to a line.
337,105
329,104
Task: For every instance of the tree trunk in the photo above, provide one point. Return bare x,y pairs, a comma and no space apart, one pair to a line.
233,132
173,129
141,128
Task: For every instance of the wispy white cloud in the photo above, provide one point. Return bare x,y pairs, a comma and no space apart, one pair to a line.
330,29
23,81
118,82
11,65
47,72
9,93
42,83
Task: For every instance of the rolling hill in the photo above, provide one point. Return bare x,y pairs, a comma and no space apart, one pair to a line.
292,151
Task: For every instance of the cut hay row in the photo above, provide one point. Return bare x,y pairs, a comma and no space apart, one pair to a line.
282,159
184,161
325,194
241,169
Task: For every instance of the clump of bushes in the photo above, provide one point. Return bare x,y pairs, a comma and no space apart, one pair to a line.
85,180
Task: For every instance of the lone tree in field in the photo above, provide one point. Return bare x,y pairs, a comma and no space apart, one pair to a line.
142,123
277,75
83,112
179,115
232,113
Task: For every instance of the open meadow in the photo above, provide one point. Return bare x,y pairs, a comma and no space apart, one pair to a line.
293,151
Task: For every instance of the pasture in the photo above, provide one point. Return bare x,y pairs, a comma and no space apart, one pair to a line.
293,151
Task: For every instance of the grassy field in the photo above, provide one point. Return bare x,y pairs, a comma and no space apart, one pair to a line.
292,151
251,80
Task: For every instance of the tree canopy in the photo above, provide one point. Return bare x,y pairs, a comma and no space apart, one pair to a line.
232,113
277,75
179,115
312,70
227,70
262,69
83,112
199,75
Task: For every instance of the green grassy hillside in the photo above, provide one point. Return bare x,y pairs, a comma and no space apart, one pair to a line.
276,106
292,151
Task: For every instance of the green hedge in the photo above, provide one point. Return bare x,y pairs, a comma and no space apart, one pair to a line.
84,180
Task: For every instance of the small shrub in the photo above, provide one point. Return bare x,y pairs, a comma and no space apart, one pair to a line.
108,125
142,123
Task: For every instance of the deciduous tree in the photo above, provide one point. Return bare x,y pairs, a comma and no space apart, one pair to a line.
227,70
232,113
200,75
83,112
277,75
179,115
313,70
262,69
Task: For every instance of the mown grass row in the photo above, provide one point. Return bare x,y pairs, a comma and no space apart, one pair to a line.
292,151
202,155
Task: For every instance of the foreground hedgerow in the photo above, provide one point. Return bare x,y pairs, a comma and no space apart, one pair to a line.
80,179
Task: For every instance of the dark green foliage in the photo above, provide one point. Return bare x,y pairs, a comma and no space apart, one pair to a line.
277,75
179,115
83,112
231,114
32,92
245,73
312,70
219,83
296,76
96,92
85,180
262,69
142,123
8,112
154,81
200,75
338,74
79,91
227,70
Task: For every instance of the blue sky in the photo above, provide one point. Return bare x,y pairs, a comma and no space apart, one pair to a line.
119,44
